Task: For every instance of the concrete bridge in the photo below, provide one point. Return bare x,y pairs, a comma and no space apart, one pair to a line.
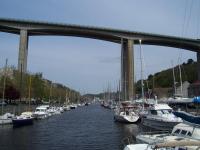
127,39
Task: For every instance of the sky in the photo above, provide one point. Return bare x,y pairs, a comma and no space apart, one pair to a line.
89,65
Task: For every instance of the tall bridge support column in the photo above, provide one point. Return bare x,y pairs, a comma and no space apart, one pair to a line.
198,65
23,51
127,69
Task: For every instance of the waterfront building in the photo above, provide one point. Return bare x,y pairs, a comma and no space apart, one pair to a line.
185,87
194,89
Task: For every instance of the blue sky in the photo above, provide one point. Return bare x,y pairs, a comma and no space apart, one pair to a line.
89,65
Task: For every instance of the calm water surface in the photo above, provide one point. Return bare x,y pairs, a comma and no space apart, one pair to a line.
85,128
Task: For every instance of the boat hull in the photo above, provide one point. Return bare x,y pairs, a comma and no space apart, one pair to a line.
188,117
22,122
72,107
125,119
158,124
41,115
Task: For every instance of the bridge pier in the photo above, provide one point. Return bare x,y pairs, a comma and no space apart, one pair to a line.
198,65
127,69
23,51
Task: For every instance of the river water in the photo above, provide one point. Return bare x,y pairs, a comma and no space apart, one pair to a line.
85,128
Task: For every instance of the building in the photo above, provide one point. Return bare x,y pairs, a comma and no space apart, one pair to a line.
194,89
185,86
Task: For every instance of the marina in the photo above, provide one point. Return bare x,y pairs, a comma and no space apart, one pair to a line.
74,129
100,75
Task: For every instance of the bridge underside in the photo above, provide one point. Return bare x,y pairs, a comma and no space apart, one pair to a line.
123,37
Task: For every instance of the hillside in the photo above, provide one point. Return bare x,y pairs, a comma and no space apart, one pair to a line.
39,88
164,79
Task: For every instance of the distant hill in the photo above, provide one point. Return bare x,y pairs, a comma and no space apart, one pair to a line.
164,79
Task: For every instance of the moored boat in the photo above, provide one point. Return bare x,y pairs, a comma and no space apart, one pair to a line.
6,118
173,145
160,117
41,112
192,117
184,131
125,113
22,120
73,106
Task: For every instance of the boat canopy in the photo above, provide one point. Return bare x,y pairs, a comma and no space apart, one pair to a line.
196,99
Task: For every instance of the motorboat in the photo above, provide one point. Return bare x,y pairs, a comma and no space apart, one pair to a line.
184,136
66,108
160,117
24,119
124,113
173,145
57,110
6,118
192,117
41,112
181,131
73,106
54,111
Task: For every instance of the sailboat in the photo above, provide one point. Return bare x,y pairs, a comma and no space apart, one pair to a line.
143,103
29,113
7,117
26,118
124,113
66,106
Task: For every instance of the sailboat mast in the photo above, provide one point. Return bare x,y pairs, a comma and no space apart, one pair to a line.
180,79
125,87
174,79
50,93
141,63
66,98
119,91
4,85
29,93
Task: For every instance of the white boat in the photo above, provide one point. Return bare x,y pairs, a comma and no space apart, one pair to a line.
41,112
51,111
73,106
61,109
181,131
66,108
173,145
125,113
6,118
160,117
57,110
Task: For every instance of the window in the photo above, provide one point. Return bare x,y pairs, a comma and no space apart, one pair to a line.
183,132
177,131
189,133
165,112
153,112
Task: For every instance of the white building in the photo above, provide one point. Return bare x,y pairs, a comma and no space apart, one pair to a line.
186,85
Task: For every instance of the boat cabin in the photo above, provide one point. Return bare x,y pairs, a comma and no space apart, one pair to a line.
186,130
